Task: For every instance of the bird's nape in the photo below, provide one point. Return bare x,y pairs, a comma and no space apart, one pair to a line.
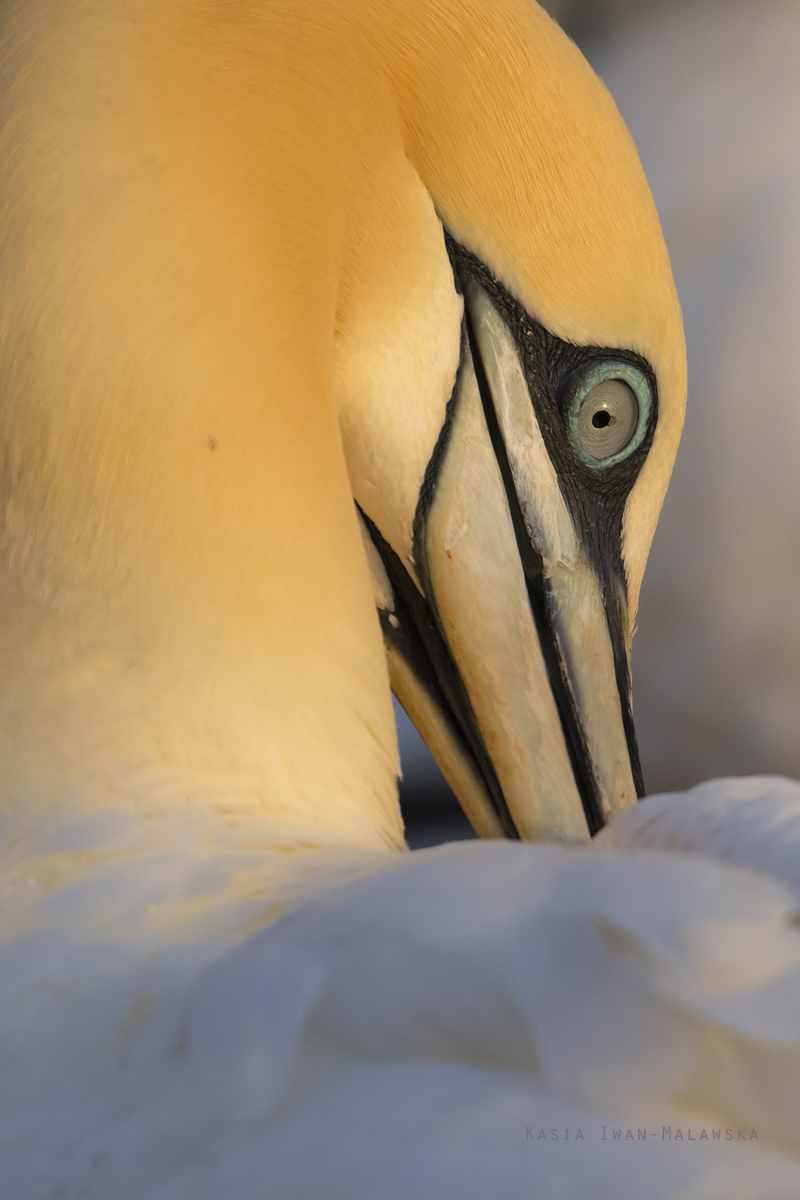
454,258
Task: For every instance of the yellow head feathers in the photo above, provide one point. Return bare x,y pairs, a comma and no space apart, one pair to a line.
228,309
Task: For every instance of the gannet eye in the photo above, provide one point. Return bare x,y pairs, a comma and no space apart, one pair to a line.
609,405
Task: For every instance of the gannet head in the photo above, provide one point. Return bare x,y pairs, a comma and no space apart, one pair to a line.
510,379
257,262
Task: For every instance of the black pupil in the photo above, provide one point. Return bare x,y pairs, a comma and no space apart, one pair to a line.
601,419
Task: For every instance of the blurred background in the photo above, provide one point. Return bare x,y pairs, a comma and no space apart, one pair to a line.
710,90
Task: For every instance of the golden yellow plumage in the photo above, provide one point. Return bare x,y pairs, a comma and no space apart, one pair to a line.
222,245
228,310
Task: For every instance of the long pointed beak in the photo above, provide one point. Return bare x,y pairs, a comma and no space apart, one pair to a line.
511,657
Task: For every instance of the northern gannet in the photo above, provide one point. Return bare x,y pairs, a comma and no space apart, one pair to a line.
259,262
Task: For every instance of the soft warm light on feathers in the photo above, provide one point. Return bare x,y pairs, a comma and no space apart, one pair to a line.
221,249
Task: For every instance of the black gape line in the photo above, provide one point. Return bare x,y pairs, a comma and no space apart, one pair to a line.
596,501
538,599
418,637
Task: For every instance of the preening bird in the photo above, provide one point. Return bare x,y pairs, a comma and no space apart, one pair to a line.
337,336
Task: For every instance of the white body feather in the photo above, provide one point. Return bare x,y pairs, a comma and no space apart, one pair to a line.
414,1024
